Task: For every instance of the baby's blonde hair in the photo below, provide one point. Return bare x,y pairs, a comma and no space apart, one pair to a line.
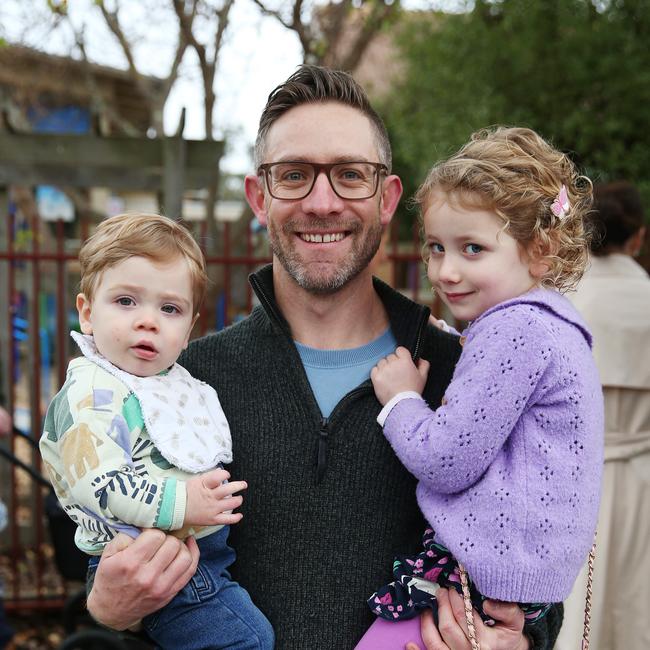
517,174
144,235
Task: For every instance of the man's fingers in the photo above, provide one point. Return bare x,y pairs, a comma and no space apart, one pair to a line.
165,554
142,549
117,544
452,631
429,632
183,566
509,615
458,608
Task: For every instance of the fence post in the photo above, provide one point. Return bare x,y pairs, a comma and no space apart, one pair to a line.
174,157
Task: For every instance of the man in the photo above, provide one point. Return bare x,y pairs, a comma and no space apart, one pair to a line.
328,504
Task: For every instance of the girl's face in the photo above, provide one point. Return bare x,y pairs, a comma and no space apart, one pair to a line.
474,264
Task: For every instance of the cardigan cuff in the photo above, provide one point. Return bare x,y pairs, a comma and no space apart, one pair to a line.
392,403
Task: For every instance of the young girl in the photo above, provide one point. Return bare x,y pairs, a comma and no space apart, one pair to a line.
509,464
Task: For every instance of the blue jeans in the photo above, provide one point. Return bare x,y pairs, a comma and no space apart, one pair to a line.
211,612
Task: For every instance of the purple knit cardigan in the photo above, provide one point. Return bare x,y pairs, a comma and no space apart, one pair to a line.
509,467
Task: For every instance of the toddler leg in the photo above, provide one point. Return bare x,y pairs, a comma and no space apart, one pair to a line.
225,619
391,635
211,612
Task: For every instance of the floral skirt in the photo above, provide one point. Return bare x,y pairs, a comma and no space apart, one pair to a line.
418,577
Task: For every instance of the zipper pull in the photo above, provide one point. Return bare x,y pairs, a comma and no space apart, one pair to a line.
321,455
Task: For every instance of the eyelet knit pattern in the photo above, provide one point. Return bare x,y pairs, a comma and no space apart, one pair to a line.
509,466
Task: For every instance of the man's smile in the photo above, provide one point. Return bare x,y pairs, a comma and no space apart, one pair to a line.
322,238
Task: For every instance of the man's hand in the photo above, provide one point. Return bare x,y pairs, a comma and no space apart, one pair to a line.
397,373
137,577
5,422
452,633
210,501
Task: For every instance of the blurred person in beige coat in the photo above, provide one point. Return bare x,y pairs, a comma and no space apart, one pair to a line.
614,299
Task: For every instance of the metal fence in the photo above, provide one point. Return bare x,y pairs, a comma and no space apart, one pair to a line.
38,284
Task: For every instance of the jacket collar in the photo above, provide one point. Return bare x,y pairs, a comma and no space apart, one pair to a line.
407,318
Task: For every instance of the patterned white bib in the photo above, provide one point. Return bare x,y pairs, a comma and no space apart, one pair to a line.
183,416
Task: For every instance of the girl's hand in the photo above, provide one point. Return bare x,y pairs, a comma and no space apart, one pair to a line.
397,373
210,500
452,633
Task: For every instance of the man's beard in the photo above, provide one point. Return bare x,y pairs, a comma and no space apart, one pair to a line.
361,253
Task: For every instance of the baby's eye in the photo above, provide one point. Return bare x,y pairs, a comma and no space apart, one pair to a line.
125,301
171,309
473,249
435,248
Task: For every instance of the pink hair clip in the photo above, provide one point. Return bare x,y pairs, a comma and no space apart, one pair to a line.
561,206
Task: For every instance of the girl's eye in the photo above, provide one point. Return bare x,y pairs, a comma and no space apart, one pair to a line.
125,301
171,309
473,249
436,248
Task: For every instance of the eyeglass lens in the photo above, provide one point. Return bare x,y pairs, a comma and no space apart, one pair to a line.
356,180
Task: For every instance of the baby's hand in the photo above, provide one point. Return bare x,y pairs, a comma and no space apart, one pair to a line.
210,500
397,373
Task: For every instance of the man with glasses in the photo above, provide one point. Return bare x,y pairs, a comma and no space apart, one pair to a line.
328,503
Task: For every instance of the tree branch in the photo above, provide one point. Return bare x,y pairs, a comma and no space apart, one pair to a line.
372,24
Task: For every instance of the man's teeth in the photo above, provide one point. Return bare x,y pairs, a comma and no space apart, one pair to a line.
322,239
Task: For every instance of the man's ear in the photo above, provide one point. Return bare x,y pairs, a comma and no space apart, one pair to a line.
391,192
84,308
254,187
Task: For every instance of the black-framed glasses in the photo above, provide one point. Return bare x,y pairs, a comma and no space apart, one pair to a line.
294,180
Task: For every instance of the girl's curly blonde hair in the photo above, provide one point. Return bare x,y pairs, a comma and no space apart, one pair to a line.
517,174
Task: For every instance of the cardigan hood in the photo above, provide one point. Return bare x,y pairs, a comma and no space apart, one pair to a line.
549,301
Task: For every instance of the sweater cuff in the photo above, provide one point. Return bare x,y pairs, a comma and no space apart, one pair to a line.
171,511
394,401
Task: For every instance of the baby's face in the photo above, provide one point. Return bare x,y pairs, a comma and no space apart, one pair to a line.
141,315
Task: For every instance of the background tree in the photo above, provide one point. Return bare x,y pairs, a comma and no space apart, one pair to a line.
335,34
577,71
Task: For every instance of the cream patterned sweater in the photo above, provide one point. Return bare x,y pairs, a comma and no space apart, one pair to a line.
105,469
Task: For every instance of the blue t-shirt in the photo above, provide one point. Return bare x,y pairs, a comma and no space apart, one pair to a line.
334,373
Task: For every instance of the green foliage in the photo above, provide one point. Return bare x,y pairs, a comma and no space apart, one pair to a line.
577,71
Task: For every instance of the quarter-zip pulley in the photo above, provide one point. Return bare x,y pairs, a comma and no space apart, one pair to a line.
321,452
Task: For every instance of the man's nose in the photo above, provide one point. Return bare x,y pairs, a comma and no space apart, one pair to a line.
322,199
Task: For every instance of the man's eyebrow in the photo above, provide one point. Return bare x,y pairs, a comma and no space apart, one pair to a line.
305,159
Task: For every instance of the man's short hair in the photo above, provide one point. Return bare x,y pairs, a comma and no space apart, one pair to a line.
152,236
312,84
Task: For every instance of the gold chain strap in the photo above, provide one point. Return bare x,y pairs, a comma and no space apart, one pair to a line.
469,614
590,575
